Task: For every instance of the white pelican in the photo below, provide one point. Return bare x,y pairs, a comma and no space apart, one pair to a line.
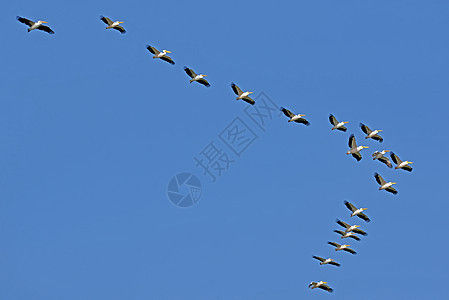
348,227
242,95
371,133
321,285
348,234
162,55
325,261
385,185
355,150
337,125
114,25
342,247
380,156
35,25
401,164
357,211
198,78
295,118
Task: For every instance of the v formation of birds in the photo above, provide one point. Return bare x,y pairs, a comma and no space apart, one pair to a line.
347,230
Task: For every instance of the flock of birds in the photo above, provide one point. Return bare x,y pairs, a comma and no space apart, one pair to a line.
350,231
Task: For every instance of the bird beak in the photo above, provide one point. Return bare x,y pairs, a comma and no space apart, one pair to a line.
302,115
251,92
204,75
345,122
410,162
365,147
44,22
167,51
380,130
324,281
357,226
121,22
393,183
387,150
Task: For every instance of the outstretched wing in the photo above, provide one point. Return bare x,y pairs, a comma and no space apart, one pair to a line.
326,288
343,224
386,161
334,244
379,179
377,138
357,156
25,21
363,217
350,250
249,100
190,72
359,231
204,82
236,89
351,143
407,168
302,121
319,258
119,28
153,50
333,120
106,20
46,29
334,263
350,206
287,112
168,59
391,190
365,128
395,158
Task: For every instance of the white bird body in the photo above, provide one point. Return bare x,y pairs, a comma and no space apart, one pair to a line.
386,185
296,117
354,149
339,125
245,94
370,135
328,260
403,164
351,228
377,154
347,234
36,25
358,211
197,77
161,54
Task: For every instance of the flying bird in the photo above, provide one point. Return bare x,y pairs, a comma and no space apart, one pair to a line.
295,118
344,247
337,125
162,55
401,164
348,234
242,95
380,156
371,133
355,150
357,211
198,78
325,261
320,285
354,228
385,185
114,25
35,25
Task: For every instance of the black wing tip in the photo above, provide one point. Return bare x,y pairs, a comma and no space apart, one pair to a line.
351,136
345,202
18,17
233,84
185,68
102,17
376,174
361,124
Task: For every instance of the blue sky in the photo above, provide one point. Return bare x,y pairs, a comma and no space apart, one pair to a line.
92,129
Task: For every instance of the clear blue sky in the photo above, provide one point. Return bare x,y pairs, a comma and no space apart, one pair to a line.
92,129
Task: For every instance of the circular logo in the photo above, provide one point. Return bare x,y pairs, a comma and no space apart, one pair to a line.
184,190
